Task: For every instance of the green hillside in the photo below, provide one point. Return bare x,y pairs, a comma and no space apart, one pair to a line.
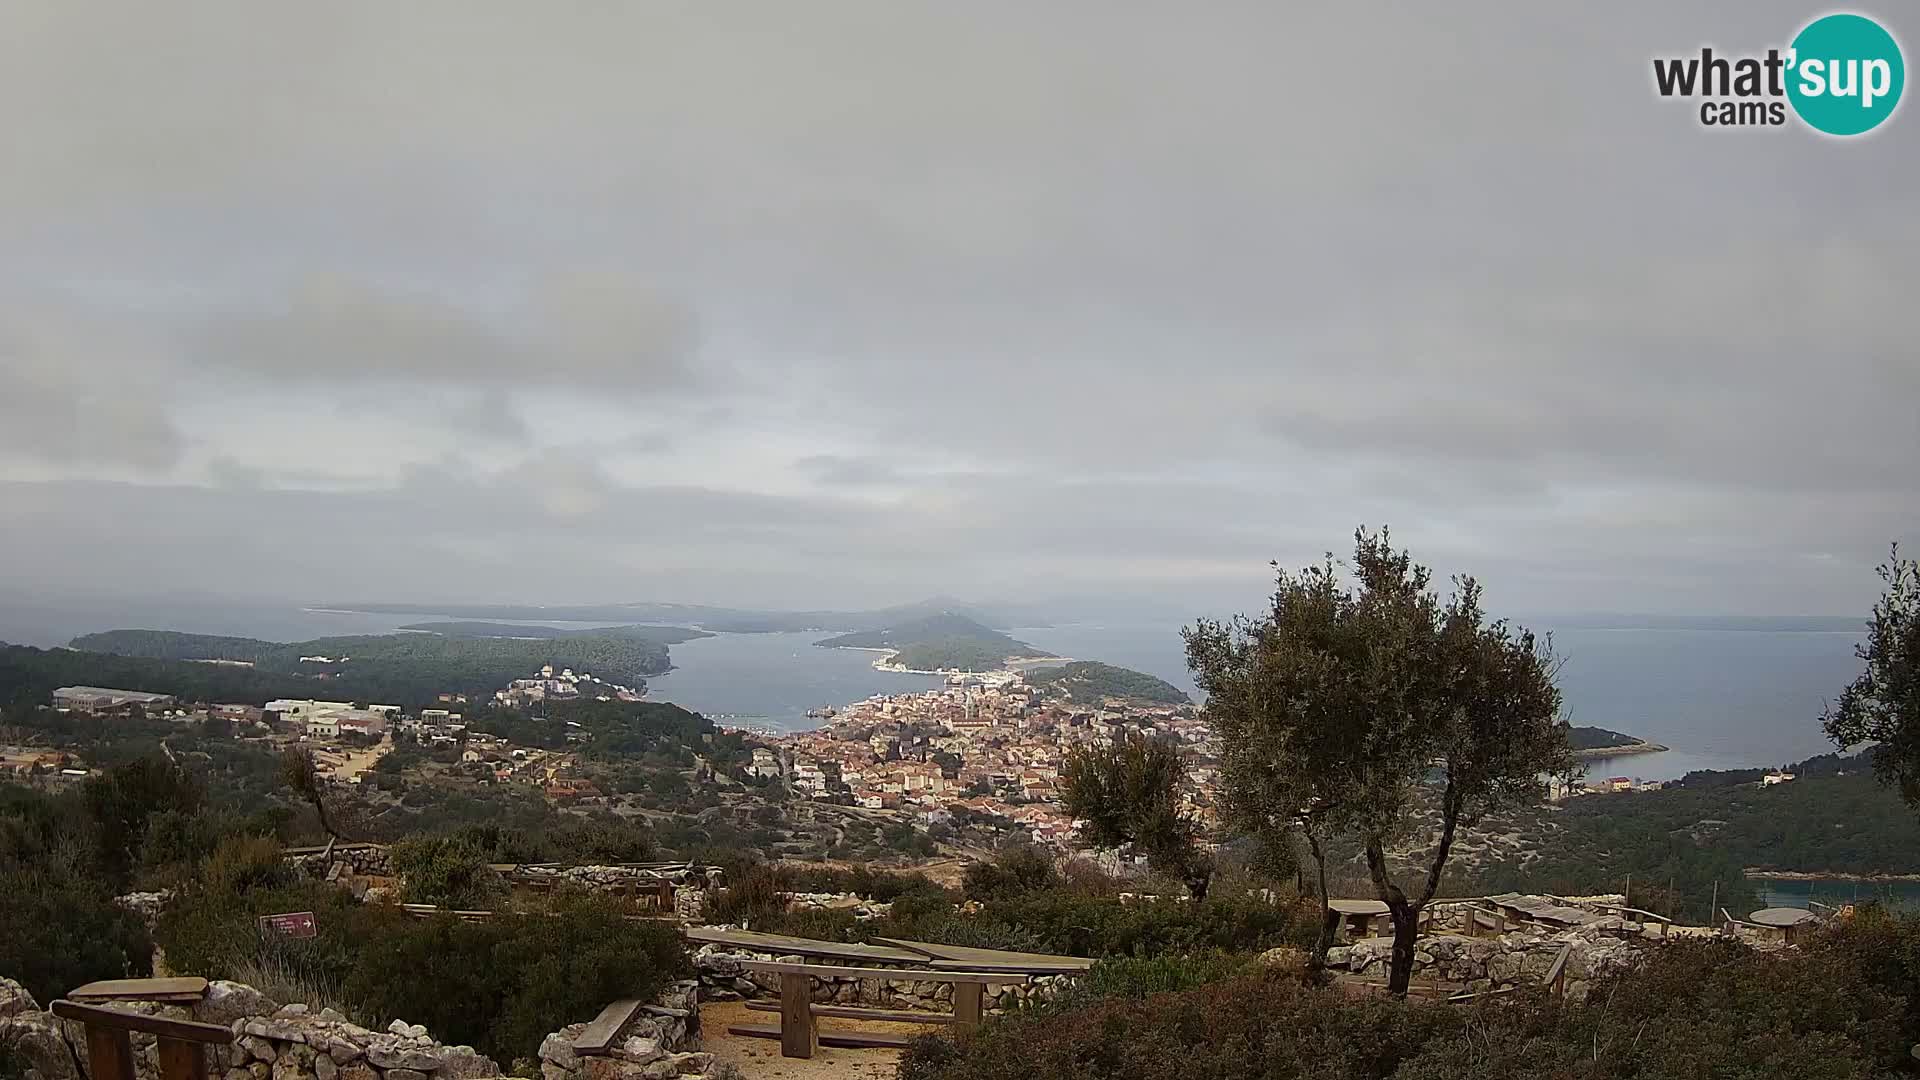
1088,682
945,641
401,668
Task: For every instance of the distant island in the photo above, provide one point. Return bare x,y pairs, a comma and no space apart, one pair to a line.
403,668
1599,742
665,635
706,617
942,642
1089,682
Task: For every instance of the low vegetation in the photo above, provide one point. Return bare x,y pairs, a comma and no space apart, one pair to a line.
1695,1010
1089,682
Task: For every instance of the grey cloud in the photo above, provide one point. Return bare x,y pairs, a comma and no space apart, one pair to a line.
66,398
716,304
597,332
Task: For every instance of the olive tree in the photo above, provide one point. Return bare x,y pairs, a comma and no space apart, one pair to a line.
1127,794
1363,698
1882,705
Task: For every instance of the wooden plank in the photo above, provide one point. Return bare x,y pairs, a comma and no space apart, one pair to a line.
855,1012
181,1060
799,1034
968,1004
828,971
1556,975
601,1032
109,1053
960,958
183,989
782,945
191,1030
853,1040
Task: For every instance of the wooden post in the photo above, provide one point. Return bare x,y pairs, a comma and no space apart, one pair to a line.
1714,904
181,1060
109,1053
799,1036
968,1003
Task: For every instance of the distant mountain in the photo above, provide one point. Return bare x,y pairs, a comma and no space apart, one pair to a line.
665,635
1089,682
945,641
718,619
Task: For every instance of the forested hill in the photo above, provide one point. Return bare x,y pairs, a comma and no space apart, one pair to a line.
1088,682
939,642
406,669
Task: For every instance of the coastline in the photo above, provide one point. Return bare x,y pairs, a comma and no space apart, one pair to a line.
1641,747
885,663
1755,873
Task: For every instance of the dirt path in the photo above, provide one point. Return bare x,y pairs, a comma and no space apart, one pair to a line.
356,763
759,1059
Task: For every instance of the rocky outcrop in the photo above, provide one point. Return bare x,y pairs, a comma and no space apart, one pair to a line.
724,977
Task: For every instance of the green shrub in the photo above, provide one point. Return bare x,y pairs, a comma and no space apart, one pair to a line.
1693,1011
59,926
502,985
447,871
1016,871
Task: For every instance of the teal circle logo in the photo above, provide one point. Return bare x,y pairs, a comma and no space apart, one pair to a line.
1845,74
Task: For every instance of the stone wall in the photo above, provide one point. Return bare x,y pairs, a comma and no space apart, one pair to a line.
723,977
1517,958
292,1042
661,1041
363,860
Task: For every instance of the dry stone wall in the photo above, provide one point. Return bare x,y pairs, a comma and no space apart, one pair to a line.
292,1042
724,977
1517,958
660,1042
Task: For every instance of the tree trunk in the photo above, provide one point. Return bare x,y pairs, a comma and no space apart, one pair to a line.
1329,919
1406,932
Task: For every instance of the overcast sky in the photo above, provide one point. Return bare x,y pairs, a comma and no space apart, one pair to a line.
846,304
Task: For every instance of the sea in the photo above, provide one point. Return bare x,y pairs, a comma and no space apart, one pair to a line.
1717,698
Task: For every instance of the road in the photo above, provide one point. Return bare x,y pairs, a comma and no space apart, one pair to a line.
356,763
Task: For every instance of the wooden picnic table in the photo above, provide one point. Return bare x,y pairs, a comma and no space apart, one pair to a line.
1358,915
1783,919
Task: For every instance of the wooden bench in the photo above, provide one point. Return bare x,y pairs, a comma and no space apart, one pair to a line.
171,990
799,1031
180,1043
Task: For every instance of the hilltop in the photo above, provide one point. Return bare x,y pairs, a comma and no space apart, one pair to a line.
941,642
1088,682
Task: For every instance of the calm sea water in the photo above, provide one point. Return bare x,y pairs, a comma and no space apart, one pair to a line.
1718,698
1784,892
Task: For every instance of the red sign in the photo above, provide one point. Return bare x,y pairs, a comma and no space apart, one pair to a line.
294,924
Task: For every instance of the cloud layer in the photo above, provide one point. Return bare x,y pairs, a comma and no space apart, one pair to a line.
1113,305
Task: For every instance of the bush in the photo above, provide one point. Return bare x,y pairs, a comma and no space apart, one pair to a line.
447,871
1016,871
502,985
59,926
1693,1011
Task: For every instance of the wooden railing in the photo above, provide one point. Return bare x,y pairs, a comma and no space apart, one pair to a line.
182,1043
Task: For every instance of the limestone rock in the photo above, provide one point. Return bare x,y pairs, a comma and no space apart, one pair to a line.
227,1001
15,999
558,1047
635,1048
324,1067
